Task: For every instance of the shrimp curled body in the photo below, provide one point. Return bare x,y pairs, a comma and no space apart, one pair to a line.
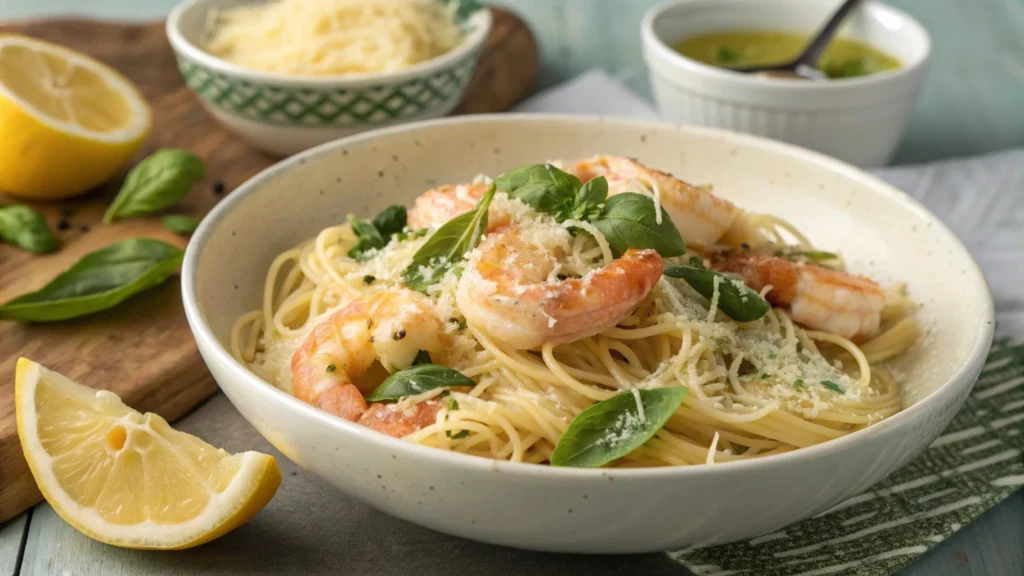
439,205
391,327
822,299
506,291
700,216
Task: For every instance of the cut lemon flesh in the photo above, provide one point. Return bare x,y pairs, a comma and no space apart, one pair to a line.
129,479
69,121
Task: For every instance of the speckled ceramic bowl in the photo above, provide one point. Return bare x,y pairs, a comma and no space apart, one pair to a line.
284,114
880,231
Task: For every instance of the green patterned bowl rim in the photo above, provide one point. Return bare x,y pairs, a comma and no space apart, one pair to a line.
474,18
333,106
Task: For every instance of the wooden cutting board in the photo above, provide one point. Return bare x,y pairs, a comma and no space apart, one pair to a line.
143,350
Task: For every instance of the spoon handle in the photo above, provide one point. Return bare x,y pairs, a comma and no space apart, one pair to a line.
812,53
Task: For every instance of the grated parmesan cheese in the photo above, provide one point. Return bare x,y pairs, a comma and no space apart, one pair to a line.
332,37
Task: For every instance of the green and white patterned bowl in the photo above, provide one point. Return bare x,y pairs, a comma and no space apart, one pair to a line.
284,114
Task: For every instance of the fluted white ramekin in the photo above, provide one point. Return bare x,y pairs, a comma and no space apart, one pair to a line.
859,120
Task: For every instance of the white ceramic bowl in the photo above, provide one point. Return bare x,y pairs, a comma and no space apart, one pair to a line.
284,114
880,230
859,120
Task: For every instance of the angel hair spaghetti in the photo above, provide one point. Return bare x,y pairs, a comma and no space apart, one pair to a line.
596,313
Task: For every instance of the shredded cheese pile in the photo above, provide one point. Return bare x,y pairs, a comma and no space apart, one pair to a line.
332,37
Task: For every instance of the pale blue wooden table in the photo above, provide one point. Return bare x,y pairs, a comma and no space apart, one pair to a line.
973,103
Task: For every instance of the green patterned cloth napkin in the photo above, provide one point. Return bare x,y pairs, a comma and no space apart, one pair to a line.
975,464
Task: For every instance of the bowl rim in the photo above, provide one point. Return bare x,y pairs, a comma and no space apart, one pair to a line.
472,43
662,50
959,382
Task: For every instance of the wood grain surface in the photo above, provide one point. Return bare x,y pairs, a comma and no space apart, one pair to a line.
143,350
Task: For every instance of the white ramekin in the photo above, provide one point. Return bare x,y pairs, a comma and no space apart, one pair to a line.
859,120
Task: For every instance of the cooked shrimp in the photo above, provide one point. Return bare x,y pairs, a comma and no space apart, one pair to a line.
391,327
509,291
819,298
701,217
439,205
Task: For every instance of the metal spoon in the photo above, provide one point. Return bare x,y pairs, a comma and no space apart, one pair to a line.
805,66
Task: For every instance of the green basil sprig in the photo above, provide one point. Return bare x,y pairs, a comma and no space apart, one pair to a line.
159,181
551,191
181,224
374,235
26,229
100,280
628,220
612,429
448,246
418,379
736,299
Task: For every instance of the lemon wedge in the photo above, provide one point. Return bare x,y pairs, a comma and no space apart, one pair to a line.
129,479
69,122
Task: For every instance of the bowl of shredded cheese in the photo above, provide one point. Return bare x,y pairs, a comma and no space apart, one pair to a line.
287,75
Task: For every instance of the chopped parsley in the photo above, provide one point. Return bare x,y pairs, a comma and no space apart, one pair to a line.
726,55
798,384
461,433
833,386
331,367
764,376
369,279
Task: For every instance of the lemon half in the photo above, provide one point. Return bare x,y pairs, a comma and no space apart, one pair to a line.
69,122
129,479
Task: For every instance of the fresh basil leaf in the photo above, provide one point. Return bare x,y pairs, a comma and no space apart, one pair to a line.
739,301
27,229
159,181
368,236
833,386
417,380
628,220
457,435
422,357
612,429
181,224
100,280
589,201
448,246
545,188
391,221
375,235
